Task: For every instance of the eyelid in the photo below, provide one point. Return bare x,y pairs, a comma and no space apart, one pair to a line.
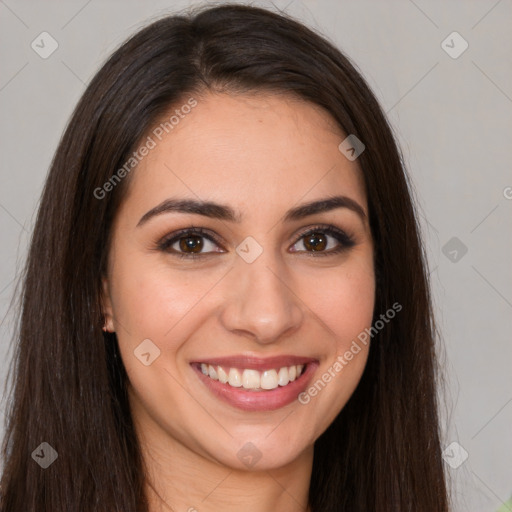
169,240
326,228
344,239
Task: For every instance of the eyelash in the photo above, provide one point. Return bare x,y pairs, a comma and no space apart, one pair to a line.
345,240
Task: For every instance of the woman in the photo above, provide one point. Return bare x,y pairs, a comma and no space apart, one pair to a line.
225,303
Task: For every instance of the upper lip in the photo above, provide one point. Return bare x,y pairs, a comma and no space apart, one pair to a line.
256,363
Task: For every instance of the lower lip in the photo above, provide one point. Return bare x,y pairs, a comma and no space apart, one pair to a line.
267,400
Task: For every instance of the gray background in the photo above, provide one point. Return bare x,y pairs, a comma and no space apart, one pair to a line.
452,116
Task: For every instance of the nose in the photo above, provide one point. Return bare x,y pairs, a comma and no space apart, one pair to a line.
260,302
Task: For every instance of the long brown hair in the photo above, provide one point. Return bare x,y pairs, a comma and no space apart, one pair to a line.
382,452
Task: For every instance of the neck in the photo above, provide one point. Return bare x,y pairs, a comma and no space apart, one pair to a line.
179,479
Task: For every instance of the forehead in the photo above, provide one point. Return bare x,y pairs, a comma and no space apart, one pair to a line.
260,153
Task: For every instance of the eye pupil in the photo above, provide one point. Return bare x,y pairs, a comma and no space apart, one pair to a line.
313,245
195,243
190,242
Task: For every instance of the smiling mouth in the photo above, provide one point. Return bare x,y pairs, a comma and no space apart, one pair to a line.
251,379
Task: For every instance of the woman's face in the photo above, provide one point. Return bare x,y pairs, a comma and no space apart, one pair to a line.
270,291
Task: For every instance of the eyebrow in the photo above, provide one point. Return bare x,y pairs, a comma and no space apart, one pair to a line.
224,212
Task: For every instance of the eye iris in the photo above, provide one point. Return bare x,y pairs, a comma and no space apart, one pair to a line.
195,243
318,245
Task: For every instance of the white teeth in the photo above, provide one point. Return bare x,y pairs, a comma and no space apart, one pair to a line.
223,376
235,379
212,372
251,379
269,379
282,376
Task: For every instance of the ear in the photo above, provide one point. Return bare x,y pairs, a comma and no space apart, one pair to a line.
106,306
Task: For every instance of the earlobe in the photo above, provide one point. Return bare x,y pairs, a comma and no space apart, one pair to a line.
106,306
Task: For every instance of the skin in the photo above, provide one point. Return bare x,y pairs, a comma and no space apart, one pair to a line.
261,154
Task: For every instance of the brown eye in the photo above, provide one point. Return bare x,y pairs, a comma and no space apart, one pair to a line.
191,243
198,242
315,242
318,240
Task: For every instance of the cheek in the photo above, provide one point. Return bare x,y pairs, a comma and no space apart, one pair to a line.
150,303
343,299
150,298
